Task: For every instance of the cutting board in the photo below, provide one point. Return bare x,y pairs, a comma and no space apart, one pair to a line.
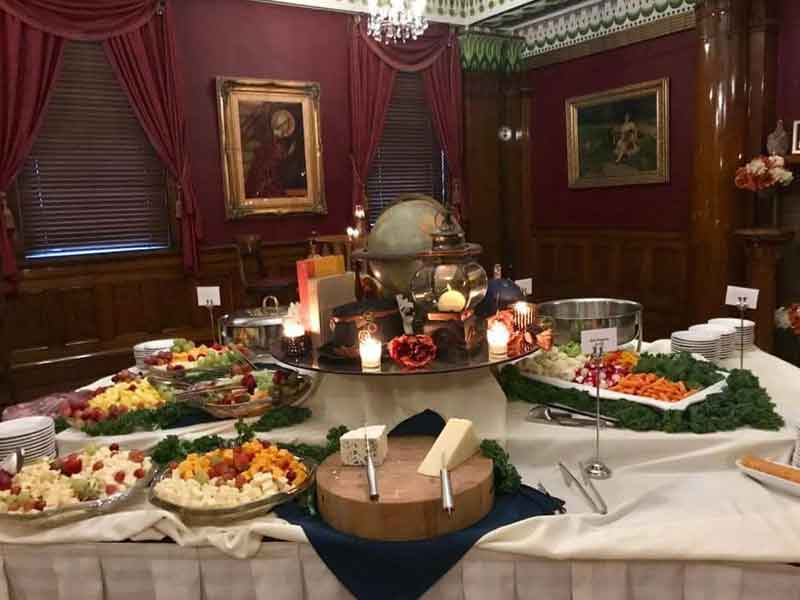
410,504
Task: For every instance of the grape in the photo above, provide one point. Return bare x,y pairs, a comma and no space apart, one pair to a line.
6,480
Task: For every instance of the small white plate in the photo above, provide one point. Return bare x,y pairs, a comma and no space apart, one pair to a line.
25,426
771,480
732,322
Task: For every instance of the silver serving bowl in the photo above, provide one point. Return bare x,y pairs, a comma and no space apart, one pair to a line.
569,317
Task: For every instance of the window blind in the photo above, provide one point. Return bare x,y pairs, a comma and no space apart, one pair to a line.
409,158
92,183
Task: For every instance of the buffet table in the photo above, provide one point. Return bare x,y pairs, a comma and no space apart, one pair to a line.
682,523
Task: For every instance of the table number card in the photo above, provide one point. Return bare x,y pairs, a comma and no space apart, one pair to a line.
605,338
735,292
526,285
208,295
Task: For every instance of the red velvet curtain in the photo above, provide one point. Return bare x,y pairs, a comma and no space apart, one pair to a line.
371,84
444,94
435,55
141,47
29,65
145,63
93,20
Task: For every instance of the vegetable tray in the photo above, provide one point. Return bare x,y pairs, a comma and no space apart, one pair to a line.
699,396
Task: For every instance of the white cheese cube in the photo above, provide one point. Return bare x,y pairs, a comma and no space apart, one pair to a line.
353,445
457,442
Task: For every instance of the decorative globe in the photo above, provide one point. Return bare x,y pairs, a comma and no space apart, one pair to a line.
403,229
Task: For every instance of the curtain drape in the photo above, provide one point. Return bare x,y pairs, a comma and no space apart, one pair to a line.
371,84
89,20
30,60
144,61
435,55
444,96
140,44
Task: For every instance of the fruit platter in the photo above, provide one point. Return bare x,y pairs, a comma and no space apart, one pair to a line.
81,484
128,392
231,482
252,393
669,382
185,356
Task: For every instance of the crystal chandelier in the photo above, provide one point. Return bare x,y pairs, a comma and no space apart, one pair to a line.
396,20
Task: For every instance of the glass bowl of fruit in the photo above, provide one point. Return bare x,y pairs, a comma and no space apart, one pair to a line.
253,394
83,484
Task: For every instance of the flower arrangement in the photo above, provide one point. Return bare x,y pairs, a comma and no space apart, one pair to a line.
788,317
763,172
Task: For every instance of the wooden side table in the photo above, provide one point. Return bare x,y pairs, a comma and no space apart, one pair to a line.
763,251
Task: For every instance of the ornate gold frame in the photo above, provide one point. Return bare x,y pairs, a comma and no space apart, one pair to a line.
232,89
573,105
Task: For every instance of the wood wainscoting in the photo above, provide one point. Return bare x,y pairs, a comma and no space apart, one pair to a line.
649,267
71,323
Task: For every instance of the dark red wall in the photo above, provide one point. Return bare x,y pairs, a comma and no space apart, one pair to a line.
662,207
788,85
253,39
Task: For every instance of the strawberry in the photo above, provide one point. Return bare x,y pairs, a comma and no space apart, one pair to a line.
138,473
119,476
111,489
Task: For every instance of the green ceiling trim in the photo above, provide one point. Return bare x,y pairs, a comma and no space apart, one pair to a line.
487,52
587,22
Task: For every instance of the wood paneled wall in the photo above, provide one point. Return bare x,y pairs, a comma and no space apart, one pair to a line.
651,268
73,322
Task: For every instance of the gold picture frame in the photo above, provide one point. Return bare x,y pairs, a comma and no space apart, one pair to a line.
619,136
271,147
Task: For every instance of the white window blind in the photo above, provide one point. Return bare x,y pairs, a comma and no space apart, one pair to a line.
409,158
92,183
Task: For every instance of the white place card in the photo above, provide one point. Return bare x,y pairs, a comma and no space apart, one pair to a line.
734,293
526,285
605,338
208,295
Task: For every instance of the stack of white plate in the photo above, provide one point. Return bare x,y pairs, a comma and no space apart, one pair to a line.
705,343
145,349
35,435
727,337
749,330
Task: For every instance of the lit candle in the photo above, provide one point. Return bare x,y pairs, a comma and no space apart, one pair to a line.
292,328
370,350
451,301
523,315
497,336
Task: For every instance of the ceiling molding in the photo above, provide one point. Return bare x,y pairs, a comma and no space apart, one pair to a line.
596,19
654,29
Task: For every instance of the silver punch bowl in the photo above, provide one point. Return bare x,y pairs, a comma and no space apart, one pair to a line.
569,317
401,232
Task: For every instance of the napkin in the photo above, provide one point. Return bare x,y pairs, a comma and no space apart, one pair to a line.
401,570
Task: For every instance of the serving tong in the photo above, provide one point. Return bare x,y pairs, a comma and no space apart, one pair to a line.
13,463
557,414
597,503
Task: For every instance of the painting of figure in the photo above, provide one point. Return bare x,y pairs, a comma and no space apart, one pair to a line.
271,148
619,137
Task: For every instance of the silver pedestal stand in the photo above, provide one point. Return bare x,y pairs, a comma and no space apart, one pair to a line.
596,468
742,308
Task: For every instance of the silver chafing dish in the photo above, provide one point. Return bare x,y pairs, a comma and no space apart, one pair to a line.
256,328
569,317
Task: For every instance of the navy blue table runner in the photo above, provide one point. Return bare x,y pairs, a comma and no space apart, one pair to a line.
406,570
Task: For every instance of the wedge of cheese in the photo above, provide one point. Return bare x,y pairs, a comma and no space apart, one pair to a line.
353,445
457,442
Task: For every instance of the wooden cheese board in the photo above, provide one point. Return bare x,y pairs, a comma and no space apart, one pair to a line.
410,504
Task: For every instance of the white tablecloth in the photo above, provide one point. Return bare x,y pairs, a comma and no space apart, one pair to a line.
288,571
673,497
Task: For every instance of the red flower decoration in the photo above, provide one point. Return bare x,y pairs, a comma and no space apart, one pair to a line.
412,351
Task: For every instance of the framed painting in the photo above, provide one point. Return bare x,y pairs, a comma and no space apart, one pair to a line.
271,147
619,136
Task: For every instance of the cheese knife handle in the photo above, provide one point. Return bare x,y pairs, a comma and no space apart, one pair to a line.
372,479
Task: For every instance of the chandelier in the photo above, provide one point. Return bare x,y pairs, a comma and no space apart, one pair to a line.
396,20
